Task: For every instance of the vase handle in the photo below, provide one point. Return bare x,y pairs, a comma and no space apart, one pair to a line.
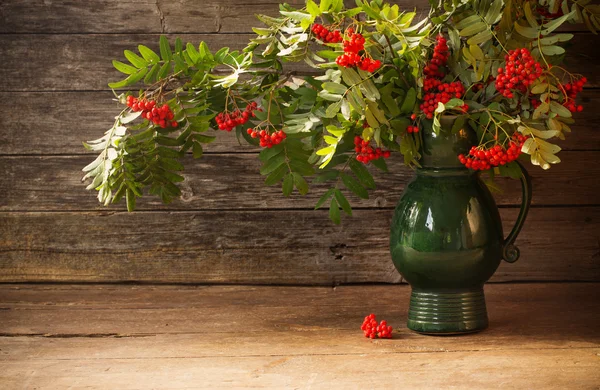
510,252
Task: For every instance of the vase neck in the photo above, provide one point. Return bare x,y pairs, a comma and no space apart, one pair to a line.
440,150
445,172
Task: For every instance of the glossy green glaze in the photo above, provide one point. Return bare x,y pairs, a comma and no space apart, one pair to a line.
446,237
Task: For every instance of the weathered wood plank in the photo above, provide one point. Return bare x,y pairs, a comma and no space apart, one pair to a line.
285,309
545,369
70,123
288,336
258,247
232,181
83,62
159,16
62,313
115,16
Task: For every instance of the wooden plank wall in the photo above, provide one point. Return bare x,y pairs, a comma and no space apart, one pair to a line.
228,228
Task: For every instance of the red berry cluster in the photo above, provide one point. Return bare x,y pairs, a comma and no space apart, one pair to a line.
369,65
412,129
436,91
227,121
366,153
572,89
325,34
481,159
351,56
162,116
521,70
445,92
371,329
438,60
267,140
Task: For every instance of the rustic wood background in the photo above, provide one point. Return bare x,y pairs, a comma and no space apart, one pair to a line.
228,228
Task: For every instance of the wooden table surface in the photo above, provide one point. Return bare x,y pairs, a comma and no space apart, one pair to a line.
541,336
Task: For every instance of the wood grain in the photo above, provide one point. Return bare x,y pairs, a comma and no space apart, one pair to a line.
262,247
233,181
210,336
158,16
115,16
83,62
69,124
467,370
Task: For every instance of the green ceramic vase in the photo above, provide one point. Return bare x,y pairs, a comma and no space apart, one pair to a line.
446,236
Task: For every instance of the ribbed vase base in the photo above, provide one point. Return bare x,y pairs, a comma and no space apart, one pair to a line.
447,312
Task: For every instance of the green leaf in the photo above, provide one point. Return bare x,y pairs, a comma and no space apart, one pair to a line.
560,109
380,164
167,141
151,75
132,79
165,49
539,88
313,8
268,153
288,185
552,50
204,51
529,15
296,15
466,22
542,109
334,88
377,112
476,52
135,60
197,150
221,54
334,212
354,186
333,109
148,54
342,201
556,23
527,32
409,101
178,45
325,5
300,183
480,38
473,29
511,170
164,70
130,200
332,97
324,198
362,173
193,54
124,68
551,40
205,139
276,175
494,13
329,54
350,76
272,164
371,120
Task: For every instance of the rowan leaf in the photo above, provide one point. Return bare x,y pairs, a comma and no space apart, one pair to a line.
288,184
343,202
334,212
